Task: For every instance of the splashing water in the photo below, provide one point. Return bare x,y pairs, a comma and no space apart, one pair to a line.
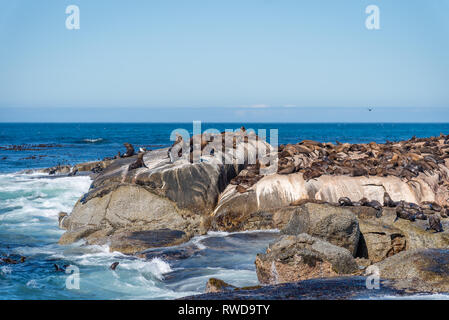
29,207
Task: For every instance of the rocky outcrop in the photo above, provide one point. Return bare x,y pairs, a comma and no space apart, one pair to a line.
301,257
384,236
277,191
340,288
419,269
336,225
163,194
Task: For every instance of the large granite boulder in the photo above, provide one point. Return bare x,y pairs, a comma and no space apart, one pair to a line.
336,225
301,257
384,236
167,193
418,269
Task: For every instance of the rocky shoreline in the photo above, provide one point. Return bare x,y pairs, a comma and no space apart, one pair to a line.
345,212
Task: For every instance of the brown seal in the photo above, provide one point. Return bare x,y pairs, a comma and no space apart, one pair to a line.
435,223
138,163
345,202
388,202
129,150
114,265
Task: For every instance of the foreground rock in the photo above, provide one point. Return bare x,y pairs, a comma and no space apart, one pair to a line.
217,285
420,269
294,258
341,288
336,225
385,236
162,194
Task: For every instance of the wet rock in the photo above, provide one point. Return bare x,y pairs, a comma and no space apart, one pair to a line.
61,219
217,285
75,235
301,257
340,288
418,269
133,242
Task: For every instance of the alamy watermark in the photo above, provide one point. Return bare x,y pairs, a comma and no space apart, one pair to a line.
239,146
372,22
373,278
73,280
72,22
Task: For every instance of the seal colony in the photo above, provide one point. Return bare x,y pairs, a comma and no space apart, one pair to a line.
342,207
404,159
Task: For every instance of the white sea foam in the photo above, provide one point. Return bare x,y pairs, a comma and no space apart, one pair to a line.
93,140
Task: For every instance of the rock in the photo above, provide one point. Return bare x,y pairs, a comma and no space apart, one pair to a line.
61,219
89,166
177,195
341,288
379,241
75,235
64,169
217,285
133,242
333,224
413,234
278,191
301,257
418,269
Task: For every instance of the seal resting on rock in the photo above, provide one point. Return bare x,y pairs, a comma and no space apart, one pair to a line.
345,202
129,150
435,223
138,163
404,214
178,145
388,202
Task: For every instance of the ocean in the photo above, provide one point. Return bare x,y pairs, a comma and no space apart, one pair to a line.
30,202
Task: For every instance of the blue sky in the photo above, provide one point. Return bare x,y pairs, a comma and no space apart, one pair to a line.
243,55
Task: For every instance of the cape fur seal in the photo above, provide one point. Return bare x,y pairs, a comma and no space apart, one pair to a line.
176,147
114,266
57,268
388,202
129,150
435,223
345,202
401,213
138,163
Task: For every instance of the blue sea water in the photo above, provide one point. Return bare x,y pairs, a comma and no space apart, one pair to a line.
29,205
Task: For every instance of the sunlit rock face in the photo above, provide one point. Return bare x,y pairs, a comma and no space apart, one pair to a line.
166,193
277,191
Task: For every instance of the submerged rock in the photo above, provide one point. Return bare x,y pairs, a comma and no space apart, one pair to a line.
301,257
